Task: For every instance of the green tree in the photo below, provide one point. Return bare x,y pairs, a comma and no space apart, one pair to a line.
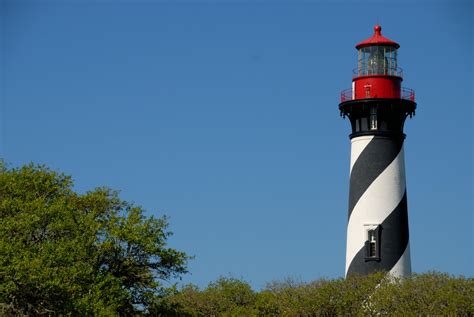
429,294
62,252
224,297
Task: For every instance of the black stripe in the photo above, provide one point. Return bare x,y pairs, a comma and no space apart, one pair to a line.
393,242
373,160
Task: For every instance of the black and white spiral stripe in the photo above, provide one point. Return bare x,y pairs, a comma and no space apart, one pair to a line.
377,196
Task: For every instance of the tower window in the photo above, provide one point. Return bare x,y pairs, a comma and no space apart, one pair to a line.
373,119
367,90
372,245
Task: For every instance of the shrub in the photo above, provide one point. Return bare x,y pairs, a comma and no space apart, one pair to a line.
374,295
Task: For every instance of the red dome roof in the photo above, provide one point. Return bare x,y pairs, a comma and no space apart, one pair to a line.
377,39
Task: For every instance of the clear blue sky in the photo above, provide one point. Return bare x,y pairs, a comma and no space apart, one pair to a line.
223,116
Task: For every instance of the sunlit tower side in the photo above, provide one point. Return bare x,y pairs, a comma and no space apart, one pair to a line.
377,106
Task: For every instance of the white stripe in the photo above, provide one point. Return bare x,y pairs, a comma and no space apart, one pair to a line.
357,146
403,266
375,204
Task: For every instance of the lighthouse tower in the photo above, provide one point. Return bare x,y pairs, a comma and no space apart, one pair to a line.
377,106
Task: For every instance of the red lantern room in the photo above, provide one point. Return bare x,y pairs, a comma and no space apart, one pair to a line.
377,104
377,74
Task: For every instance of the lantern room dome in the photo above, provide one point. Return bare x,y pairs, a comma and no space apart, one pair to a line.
377,39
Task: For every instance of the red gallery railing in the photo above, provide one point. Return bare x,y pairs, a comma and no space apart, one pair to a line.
405,93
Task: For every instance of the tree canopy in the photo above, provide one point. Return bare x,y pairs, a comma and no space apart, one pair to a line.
81,254
94,254
427,294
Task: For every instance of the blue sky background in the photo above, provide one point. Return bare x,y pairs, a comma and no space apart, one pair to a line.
223,116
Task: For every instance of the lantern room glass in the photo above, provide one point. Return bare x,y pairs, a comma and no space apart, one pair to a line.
377,60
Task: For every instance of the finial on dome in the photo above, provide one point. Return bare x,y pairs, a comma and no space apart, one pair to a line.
378,29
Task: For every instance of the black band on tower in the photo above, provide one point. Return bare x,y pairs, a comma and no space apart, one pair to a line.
373,160
394,238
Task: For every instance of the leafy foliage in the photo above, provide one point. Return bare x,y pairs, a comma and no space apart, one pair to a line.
63,252
225,297
375,295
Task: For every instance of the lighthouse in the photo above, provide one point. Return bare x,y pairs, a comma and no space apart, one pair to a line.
377,106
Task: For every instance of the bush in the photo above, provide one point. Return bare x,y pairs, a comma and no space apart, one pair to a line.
425,294
224,297
374,295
